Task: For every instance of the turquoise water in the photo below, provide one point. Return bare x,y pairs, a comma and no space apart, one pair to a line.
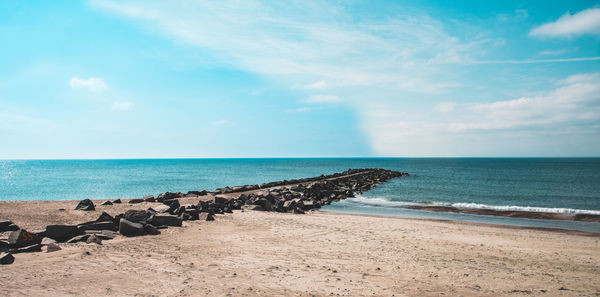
565,185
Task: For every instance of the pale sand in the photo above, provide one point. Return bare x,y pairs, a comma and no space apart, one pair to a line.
258,253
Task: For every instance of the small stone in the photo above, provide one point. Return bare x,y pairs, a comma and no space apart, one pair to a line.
94,239
52,247
107,202
86,205
117,201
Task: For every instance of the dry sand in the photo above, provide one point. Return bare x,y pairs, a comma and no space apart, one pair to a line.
262,254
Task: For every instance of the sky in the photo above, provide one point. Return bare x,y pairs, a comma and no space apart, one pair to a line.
200,79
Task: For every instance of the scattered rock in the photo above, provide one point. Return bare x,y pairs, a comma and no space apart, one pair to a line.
136,216
129,228
79,238
62,232
52,247
105,217
27,249
94,239
135,201
117,201
85,204
21,238
6,259
8,226
150,230
165,220
107,202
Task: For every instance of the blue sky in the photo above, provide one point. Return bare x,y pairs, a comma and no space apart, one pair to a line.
144,79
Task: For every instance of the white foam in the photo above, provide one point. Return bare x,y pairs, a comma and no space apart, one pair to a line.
385,202
570,211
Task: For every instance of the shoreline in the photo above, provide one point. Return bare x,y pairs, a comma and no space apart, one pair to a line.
257,253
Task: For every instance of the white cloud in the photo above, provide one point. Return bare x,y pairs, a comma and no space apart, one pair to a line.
553,52
297,41
222,123
122,105
320,98
572,108
93,84
299,110
583,22
314,86
445,107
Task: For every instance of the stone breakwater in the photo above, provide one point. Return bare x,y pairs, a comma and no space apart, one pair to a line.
293,196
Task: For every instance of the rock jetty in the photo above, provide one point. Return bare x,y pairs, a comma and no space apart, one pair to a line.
293,196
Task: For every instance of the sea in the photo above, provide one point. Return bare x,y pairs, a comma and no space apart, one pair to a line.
558,185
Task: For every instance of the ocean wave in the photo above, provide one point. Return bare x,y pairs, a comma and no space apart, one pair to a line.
385,202
570,211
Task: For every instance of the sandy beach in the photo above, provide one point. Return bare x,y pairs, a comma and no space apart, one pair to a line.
255,253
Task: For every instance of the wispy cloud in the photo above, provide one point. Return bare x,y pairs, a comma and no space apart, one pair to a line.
320,98
299,110
93,84
223,123
535,61
574,103
122,105
584,22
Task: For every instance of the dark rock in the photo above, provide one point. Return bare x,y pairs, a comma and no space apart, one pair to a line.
165,220
22,238
79,238
27,249
223,199
97,226
150,230
6,259
117,201
204,216
8,226
129,228
85,204
94,239
52,247
102,234
298,210
149,198
135,201
136,216
105,217
107,202
264,203
62,232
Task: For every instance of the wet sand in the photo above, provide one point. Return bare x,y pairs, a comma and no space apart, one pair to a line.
255,253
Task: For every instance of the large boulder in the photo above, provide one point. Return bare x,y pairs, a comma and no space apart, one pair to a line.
149,198
264,203
129,228
61,232
22,238
85,204
8,226
136,216
165,220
